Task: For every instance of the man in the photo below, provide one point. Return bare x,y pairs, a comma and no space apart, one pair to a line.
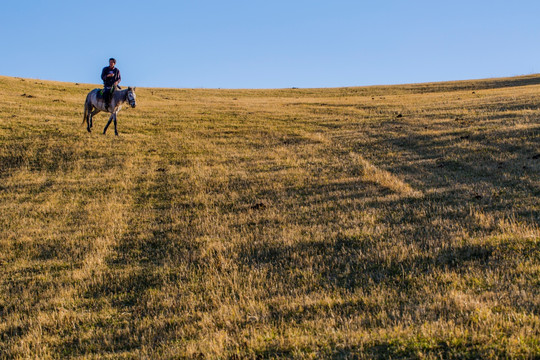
111,77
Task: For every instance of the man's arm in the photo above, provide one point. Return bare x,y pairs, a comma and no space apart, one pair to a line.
118,78
103,74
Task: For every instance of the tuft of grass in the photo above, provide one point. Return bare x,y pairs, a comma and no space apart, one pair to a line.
369,222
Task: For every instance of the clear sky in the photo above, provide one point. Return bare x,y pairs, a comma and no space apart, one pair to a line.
269,44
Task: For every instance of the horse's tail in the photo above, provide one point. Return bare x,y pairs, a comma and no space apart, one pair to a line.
87,109
85,119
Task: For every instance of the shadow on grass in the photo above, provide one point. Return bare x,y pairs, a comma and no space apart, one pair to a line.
502,164
147,258
402,348
350,263
412,348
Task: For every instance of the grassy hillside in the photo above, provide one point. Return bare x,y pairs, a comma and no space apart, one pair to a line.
374,222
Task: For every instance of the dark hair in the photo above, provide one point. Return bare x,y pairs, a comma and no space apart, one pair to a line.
113,59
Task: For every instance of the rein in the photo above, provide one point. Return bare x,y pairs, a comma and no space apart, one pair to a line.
126,96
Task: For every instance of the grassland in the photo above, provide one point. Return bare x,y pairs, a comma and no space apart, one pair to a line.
372,222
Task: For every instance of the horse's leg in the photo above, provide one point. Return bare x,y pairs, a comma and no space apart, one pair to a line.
87,115
88,120
115,130
108,123
91,122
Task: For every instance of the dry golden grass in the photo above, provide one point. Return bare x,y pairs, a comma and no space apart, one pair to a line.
374,222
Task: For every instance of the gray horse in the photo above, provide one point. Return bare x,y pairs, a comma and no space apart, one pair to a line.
95,104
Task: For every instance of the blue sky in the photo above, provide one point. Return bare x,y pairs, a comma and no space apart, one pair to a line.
269,44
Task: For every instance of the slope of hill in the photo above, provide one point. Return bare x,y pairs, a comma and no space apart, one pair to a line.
372,222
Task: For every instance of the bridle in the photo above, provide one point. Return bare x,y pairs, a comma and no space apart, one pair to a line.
130,97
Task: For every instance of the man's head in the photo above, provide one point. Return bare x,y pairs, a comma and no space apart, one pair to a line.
112,62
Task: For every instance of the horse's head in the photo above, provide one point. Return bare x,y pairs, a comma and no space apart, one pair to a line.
131,97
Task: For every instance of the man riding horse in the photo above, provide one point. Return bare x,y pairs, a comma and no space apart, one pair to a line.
111,77
109,99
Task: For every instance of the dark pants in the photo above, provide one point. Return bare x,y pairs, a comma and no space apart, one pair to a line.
107,94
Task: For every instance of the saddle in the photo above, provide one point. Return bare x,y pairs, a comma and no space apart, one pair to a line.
101,92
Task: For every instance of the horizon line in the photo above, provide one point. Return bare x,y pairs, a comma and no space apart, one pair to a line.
531,75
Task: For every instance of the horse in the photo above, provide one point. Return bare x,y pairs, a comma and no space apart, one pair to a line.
95,104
